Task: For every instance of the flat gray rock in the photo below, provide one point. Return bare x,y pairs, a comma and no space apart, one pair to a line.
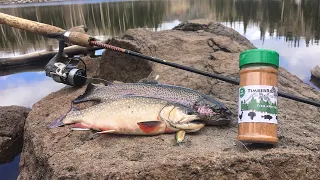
12,120
316,72
211,153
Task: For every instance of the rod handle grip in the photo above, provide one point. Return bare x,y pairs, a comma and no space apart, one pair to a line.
79,39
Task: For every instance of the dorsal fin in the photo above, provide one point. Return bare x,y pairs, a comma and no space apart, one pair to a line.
86,95
149,81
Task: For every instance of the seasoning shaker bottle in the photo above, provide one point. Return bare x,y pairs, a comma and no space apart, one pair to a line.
258,94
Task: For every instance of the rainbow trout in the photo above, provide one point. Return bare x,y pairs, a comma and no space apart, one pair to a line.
210,110
133,116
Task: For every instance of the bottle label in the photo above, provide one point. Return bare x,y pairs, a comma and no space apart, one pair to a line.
258,103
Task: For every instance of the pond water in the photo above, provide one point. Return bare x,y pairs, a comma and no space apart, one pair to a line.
290,27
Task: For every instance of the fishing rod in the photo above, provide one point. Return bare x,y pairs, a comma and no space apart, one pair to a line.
194,70
85,40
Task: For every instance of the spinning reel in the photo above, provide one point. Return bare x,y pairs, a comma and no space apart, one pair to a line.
65,73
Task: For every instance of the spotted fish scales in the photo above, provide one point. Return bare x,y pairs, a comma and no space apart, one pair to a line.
210,109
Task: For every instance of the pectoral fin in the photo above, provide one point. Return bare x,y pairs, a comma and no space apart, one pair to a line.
149,126
180,136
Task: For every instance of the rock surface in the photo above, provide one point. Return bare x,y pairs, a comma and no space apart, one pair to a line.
12,120
211,153
316,72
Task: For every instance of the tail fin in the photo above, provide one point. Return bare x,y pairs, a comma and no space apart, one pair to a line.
59,121
86,95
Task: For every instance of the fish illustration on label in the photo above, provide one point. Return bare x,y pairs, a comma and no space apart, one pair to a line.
258,103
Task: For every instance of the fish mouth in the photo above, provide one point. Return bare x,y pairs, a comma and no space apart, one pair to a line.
197,121
217,120
223,117
193,126
191,123
189,119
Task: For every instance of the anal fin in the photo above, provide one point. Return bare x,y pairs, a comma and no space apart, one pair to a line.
80,127
106,132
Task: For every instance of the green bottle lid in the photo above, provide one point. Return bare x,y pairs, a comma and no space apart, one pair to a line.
259,56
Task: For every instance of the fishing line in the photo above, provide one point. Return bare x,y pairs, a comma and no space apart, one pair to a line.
190,69
82,39
263,171
108,82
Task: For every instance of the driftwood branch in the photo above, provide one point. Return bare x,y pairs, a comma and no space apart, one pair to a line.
20,69
42,56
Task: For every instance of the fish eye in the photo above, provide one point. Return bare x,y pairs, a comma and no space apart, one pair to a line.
218,109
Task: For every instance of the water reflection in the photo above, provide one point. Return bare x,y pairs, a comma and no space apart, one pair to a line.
25,89
297,60
102,19
290,27
10,171
280,18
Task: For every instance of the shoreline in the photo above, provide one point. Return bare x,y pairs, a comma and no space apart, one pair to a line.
26,3
18,2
